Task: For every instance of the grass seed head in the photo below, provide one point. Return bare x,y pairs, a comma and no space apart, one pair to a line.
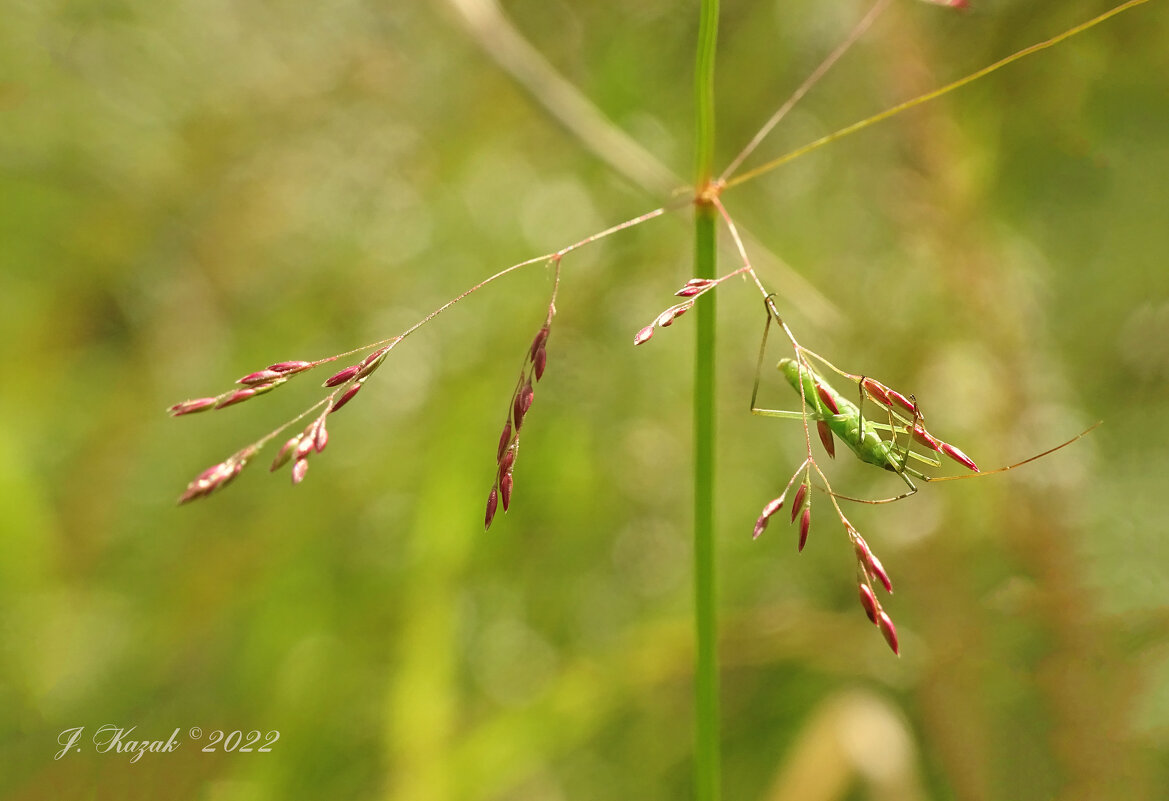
888,631
373,361
290,368
285,453
958,456
877,391
538,342
695,286
505,464
923,437
299,470
219,475
192,406
518,410
904,402
869,601
644,334
504,441
539,362
826,438
345,397
342,376
306,444
492,505
505,483
798,502
827,399
771,508
875,568
239,396
805,524
259,377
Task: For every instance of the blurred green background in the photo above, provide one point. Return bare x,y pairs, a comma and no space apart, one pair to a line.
192,190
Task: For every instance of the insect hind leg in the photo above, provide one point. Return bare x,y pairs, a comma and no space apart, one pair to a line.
876,501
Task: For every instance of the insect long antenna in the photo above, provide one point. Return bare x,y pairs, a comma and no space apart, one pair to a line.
1028,460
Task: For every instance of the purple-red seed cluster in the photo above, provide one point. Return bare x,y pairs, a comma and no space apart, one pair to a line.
801,507
869,568
254,384
312,439
217,476
535,361
690,290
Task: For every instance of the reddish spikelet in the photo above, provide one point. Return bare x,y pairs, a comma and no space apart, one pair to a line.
826,438
644,334
666,318
505,490
345,397
269,385
259,377
322,437
285,453
888,631
863,554
771,508
192,406
695,286
904,402
875,568
504,440
798,502
957,5
289,368
538,342
805,524
208,481
492,505
299,469
958,456
217,476
827,399
539,362
527,394
923,437
869,602
877,391
505,464
239,396
306,444
342,376
372,362
760,526
518,410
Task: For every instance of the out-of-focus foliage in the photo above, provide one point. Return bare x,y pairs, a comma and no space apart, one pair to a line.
192,190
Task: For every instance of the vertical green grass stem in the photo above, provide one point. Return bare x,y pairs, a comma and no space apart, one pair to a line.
706,746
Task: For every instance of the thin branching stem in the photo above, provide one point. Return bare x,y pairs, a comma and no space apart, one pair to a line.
928,96
803,88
